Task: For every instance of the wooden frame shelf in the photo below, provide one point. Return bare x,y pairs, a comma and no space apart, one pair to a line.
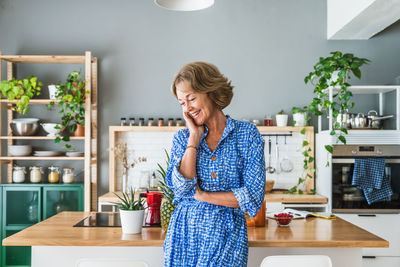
90,139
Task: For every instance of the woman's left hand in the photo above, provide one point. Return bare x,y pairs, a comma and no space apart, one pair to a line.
199,195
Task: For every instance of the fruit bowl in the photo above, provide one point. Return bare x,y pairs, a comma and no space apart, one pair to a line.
283,219
51,129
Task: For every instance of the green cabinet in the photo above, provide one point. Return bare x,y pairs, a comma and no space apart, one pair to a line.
23,205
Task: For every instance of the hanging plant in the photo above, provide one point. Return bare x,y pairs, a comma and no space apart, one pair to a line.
334,71
22,90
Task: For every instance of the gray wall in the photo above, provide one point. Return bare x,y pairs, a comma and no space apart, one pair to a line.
265,46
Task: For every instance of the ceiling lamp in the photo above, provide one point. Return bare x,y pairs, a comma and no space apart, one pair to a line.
184,5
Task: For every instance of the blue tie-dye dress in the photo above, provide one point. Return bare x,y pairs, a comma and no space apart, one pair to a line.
203,234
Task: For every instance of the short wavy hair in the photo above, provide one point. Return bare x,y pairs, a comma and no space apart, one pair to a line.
206,78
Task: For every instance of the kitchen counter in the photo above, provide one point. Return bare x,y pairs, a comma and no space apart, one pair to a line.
56,236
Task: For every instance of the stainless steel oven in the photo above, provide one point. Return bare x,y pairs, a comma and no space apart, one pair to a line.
348,198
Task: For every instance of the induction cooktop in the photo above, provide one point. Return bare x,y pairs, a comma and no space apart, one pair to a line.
100,219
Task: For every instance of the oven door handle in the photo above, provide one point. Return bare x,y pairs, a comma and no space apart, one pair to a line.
351,160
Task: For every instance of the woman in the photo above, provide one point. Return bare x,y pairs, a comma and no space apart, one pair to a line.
217,172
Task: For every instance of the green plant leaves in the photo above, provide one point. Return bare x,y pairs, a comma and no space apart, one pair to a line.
329,148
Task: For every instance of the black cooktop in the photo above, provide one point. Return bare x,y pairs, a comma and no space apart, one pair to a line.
100,219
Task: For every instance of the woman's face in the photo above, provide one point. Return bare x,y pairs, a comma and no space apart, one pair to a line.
196,105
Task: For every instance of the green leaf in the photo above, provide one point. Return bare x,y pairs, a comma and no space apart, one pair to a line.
332,132
342,139
305,143
344,130
303,131
329,148
300,192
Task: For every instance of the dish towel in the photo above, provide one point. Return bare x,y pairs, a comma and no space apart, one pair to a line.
369,176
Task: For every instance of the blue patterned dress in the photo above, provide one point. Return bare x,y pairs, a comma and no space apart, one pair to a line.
203,234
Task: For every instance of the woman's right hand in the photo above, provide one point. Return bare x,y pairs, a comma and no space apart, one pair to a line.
195,130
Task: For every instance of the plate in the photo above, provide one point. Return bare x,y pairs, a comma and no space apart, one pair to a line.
44,153
74,154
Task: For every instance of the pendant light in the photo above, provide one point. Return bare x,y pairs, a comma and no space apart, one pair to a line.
184,5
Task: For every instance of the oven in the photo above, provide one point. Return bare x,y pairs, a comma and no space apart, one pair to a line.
347,198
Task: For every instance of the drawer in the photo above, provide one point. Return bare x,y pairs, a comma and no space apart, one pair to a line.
381,262
385,226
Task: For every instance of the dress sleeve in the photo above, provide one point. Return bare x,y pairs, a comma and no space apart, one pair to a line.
182,187
251,195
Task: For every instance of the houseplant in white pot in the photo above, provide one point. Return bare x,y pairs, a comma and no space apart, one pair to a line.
299,116
281,118
131,212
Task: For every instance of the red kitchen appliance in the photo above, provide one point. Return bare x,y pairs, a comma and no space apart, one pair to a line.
152,217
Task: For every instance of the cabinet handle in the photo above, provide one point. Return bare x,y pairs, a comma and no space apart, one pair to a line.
369,257
367,215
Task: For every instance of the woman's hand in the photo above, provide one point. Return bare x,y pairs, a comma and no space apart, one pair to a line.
200,194
194,129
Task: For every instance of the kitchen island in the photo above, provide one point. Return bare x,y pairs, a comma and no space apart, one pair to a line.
56,236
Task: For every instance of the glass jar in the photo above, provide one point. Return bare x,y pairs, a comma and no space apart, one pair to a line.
18,174
141,122
268,121
68,175
150,122
179,122
131,121
35,174
160,122
171,122
123,121
54,174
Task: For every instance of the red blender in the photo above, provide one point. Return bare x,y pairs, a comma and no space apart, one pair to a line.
152,217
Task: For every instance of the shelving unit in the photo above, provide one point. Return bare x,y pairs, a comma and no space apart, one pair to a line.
90,139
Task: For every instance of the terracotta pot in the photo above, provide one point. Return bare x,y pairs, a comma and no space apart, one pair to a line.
80,130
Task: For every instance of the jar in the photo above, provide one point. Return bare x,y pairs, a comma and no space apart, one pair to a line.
171,122
260,217
35,174
131,121
141,122
179,122
150,122
160,122
256,122
123,121
54,174
18,174
268,121
68,175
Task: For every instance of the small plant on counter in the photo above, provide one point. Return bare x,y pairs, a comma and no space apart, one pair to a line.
167,207
72,96
333,71
300,116
281,118
128,201
22,90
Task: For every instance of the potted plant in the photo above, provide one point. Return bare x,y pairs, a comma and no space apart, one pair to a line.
334,71
72,96
299,116
22,90
281,118
167,207
131,212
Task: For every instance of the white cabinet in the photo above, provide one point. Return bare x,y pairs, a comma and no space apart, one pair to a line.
381,262
386,226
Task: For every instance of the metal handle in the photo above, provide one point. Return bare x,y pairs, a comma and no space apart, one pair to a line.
369,257
352,160
269,146
367,215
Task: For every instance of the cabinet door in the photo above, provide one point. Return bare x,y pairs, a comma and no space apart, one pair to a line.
381,261
385,226
58,198
15,256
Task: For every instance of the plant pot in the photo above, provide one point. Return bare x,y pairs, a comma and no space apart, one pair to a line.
131,221
52,91
299,119
80,130
335,76
281,119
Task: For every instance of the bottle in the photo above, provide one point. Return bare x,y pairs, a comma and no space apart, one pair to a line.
160,122
68,175
33,209
18,174
54,174
35,174
141,122
153,181
131,121
150,122
179,122
260,217
123,121
171,122
62,204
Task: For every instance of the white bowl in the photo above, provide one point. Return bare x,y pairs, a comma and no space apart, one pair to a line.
51,130
20,150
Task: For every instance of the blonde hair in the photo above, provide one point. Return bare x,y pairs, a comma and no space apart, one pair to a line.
205,78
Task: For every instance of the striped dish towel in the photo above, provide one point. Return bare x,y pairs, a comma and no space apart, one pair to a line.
369,176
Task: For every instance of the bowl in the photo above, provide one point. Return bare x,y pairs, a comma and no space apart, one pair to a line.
283,219
24,126
20,150
51,129
269,184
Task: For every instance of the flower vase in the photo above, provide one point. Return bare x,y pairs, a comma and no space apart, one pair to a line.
125,180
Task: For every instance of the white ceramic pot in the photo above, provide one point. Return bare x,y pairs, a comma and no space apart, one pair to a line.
52,91
131,221
281,119
299,119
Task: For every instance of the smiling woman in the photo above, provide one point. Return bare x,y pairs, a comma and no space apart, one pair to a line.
208,227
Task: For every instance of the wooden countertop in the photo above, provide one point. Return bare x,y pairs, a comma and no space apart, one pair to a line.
311,232
274,196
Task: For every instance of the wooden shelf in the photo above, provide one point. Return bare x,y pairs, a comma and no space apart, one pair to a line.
32,101
42,158
38,138
44,59
369,89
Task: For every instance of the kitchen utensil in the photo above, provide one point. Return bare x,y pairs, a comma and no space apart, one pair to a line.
344,120
283,219
44,153
286,164
74,154
152,216
375,121
278,166
20,150
53,129
25,126
270,169
360,121
269,184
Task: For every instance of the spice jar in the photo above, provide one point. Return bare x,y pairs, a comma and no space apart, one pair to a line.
68,175
160,122
150,122
18,174
141,122
179,122
131,121
171,122
268,121
54,174
35,174
123,121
